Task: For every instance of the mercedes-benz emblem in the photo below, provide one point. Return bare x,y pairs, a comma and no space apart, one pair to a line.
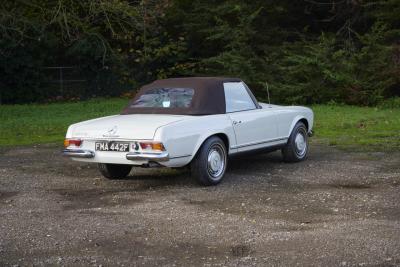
112,131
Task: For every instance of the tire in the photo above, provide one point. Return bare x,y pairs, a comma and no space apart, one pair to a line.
209,165
114,171
297,146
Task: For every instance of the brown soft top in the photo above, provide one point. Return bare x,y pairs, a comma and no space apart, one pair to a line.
208,98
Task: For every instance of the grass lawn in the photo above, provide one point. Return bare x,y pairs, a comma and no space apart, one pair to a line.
364,128
48,123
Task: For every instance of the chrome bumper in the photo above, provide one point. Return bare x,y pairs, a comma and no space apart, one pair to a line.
157,157
78,153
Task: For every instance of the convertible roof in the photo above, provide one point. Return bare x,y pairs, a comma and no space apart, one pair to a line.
208,98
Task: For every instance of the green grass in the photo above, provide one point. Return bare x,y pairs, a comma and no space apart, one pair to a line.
365,128
33,124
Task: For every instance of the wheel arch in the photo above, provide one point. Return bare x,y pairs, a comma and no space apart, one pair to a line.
223,136
305,121
302,119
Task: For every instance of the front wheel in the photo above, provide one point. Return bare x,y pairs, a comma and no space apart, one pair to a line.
210,163
114,171
296,148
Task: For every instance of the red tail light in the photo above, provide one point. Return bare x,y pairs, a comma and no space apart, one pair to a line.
72,142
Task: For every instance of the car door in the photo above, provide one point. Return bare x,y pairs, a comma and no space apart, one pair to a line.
254,127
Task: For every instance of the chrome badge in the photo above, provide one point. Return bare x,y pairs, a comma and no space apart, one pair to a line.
111,132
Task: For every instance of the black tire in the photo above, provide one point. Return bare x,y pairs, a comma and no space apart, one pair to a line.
210,172
294,151
114,171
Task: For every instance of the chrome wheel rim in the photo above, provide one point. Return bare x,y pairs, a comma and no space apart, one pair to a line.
216,161
300,142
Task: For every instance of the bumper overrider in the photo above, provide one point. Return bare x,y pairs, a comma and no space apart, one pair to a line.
157,157
134,156
78,153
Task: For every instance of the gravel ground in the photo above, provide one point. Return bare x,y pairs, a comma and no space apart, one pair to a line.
335,209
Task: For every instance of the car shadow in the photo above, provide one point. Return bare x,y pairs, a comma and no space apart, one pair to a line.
240,168
254,161
240,165
159,177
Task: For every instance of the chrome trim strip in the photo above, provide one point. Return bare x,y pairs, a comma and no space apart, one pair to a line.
185,156
157,157
78,153
263,142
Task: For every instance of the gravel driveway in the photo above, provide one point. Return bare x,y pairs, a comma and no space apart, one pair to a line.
335,209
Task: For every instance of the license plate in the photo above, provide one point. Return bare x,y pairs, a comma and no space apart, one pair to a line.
112,146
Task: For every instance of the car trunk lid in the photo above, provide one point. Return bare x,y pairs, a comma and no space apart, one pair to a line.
135,126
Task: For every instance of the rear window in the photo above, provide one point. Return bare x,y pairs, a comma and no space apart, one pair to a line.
165,98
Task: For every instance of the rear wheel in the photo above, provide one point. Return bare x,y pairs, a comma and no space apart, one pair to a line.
296,148
114,171
210,163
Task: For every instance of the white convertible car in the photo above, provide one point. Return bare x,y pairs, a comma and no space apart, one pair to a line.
196,122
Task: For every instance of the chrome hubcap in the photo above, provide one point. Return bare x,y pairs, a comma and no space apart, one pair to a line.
301,144
216,161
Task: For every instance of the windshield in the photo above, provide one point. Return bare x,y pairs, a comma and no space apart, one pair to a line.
165,98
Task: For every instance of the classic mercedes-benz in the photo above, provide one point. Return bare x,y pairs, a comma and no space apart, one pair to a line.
197,122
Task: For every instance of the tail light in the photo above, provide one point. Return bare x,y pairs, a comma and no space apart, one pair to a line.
152,146
72,142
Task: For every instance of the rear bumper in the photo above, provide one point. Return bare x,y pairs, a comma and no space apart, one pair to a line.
78,153
134,156
157,157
